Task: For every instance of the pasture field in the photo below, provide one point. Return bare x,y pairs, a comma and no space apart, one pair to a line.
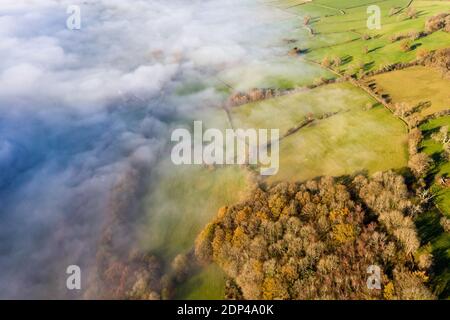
339,33
288,111
437,242
348,143
186,197
282,73
352,140
184,200
415,85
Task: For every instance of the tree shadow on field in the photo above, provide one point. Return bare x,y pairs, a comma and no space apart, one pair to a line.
346,59
430,231
428,226
415,46
371,83
386,97
439,159
421,13
368,65
375,49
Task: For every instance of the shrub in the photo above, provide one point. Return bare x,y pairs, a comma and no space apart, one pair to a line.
425,260
326,62
306,20
414,139
437,22
393,11
337,62
422,53
405,45
419,163
439,59
411,13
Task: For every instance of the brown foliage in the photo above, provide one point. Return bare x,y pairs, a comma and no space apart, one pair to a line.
422,53
420,164
253,95
437,22
439,59
315,240
414,139
122,271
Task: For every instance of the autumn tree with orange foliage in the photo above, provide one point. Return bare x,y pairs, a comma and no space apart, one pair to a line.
315,240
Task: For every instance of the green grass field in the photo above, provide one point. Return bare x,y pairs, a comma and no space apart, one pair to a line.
437,242
414,85
358,140
340,35
288,111
348,143
352,140
281,73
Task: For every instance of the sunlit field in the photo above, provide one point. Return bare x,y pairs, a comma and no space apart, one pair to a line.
87,175
345,144
341,35
416,85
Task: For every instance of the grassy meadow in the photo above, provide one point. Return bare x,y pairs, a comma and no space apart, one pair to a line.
192,195
347,143
281,73
339,31
415,85
186,198
350,141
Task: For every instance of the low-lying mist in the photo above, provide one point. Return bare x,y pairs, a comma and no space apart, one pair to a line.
83,110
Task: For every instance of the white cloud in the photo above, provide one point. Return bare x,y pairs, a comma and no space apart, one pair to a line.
78,108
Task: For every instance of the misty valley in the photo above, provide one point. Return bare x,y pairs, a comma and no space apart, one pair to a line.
238,150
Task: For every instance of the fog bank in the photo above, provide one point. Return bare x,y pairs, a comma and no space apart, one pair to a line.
80,109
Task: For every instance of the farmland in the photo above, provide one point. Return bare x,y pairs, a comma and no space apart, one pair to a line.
350,131
346,35
349,141
416,85
239,149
